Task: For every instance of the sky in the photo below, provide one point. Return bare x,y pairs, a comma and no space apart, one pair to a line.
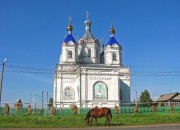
31,32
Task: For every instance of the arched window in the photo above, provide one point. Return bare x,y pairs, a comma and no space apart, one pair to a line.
100,90
89,52
68,93
69,54
114,56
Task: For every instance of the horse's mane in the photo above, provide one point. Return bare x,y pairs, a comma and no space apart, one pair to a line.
88,115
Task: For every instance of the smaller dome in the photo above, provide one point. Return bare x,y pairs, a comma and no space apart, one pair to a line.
112,30
87,22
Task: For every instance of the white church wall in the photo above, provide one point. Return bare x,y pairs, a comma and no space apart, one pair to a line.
63,55
90,84
58,90
125,94
83,86
112,88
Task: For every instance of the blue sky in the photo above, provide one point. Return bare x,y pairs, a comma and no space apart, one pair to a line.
31,32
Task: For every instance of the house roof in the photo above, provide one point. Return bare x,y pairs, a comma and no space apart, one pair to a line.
168,97
177,98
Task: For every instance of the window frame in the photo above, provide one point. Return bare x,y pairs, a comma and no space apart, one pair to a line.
70,91
95,91
114,56
69,54
89,52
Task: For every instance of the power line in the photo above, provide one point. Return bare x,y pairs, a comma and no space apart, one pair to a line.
16,71
155,75
23,69
29,68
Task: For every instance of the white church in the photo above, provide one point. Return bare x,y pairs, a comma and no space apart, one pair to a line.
90,74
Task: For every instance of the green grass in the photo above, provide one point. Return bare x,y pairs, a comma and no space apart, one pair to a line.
25,121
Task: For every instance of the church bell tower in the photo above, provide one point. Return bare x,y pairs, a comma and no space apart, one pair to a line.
69,48
112,50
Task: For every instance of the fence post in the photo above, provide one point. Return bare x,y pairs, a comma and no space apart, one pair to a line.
135,109
153,108
75,109
52,110
116,109
29,110
6,109
171,108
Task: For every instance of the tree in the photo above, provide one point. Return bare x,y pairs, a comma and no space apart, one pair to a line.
145,98
50,102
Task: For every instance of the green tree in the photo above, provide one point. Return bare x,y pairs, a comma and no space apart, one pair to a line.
50,102
145,98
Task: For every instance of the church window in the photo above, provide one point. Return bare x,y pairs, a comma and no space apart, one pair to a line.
114,56
69,54
89,52
68,93
100,90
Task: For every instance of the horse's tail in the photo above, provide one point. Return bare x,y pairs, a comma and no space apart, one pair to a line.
110,114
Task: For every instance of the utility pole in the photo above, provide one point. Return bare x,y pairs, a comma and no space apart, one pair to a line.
136,97
2,78
34,102
47,99
42,99
30,98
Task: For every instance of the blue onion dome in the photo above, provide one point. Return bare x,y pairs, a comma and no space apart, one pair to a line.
69,36
112,39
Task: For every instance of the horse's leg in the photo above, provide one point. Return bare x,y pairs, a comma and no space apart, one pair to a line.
96,121
91,120
106,120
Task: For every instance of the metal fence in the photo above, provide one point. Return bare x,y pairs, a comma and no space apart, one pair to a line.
83,111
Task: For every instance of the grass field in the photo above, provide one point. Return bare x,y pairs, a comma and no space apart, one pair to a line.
25,121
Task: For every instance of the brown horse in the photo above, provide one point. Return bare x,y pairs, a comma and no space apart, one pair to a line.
97,113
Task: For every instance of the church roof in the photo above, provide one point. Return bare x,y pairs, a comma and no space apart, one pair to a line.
68,38
112,41
88,35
